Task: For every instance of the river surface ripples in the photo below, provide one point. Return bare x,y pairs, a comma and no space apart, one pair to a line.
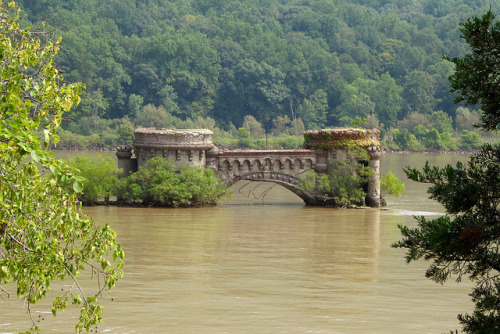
265,263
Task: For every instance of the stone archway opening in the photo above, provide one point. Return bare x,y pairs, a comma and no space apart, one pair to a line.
246,192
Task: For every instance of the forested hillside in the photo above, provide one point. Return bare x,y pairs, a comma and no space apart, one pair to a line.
253,66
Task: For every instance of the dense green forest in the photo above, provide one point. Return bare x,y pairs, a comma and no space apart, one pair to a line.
249,67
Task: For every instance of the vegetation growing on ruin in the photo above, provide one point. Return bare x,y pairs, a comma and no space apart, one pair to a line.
340,138
344,185
158,183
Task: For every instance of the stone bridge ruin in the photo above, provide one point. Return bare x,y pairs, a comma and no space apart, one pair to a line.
194,147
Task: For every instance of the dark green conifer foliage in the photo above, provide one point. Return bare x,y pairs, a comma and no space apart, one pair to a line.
465,242
476,75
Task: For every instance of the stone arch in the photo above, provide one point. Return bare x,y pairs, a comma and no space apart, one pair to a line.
277,164
267,165
287,181
225,165
308,164
298,164
287,165
237,165
246,166
233,180
256,165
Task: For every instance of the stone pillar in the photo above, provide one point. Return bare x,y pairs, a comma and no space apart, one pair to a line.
373,191
332,145
125,161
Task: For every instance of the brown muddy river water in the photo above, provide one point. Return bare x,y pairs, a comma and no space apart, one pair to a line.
265,263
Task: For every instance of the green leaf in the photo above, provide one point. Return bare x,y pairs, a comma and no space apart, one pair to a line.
77,187
53,169
35,156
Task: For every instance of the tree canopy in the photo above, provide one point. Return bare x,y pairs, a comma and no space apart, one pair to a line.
465,242
475,72
44,235
265,59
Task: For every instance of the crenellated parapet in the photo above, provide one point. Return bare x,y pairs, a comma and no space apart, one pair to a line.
184,147
323,148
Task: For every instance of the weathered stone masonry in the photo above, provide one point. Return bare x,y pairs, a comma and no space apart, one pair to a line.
194,147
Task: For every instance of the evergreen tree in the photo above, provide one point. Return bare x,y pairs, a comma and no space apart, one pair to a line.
476,74
465,242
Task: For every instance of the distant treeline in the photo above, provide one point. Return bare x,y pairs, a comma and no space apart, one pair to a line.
268,66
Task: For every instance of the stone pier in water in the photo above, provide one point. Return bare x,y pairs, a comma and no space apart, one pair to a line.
322,150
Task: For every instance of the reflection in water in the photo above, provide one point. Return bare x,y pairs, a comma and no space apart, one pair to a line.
283,268
253,190
274,268
351,247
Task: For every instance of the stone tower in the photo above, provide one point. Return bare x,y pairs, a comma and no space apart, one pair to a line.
332,145
184,147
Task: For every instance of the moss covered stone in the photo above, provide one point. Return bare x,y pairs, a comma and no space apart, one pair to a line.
328,139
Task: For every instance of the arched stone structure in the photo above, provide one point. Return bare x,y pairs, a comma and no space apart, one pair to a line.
323,148
288,181
332,145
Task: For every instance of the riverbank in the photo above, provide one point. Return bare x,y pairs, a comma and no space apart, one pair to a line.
431,152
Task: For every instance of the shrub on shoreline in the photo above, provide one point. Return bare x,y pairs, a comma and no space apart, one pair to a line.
158,183
98,175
